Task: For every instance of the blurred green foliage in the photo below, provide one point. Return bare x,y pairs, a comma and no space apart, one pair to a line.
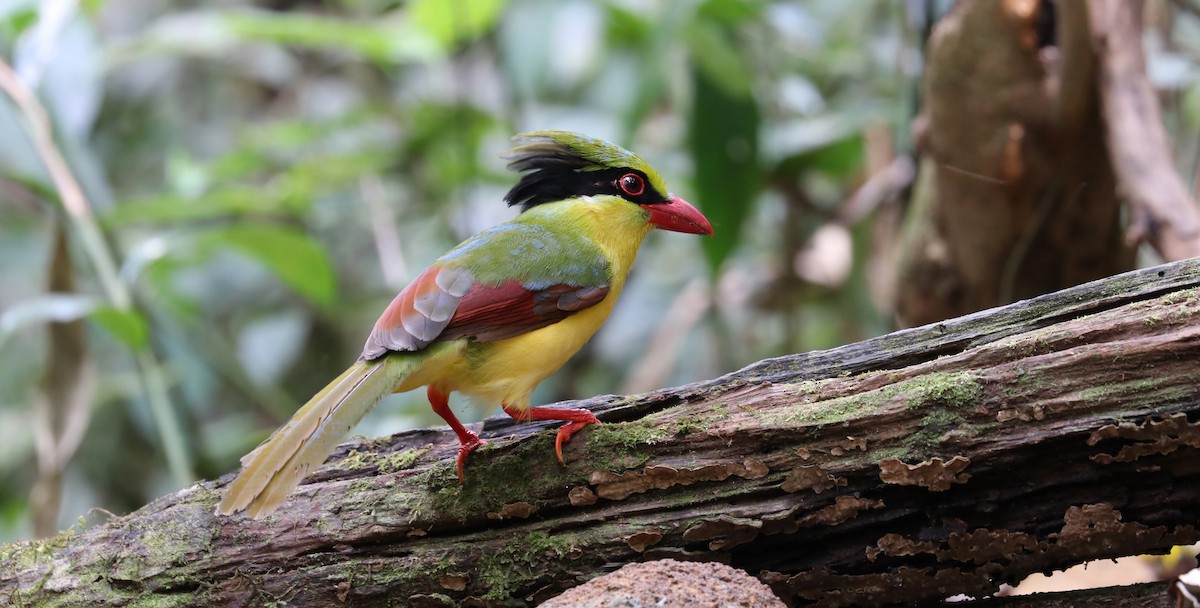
269,173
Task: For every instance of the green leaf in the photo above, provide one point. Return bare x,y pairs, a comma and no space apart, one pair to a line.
128,326
731,12
284,192
381,42
16,16
231,201
453,21
626,27
724,147
35,184
304,179
299,261
715,52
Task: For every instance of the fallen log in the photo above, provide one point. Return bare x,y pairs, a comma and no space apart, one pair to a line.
922,464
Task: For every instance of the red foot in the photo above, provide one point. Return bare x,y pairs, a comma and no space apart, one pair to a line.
577,420
470,441
468,446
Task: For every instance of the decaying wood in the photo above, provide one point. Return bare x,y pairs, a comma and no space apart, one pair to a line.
926,463
1148,595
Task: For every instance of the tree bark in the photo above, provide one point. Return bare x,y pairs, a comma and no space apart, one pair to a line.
919,465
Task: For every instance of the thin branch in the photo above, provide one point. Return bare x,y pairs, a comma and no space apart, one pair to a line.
1161,210
76,204
63,409
383,227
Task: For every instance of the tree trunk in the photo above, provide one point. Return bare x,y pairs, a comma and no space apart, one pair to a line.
1016,194
919,465
1039,130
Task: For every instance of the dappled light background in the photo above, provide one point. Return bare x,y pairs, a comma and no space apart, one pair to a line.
266,175
269,174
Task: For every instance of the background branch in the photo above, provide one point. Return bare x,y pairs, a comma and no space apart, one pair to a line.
1161,211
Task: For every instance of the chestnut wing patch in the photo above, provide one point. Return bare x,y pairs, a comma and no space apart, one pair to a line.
489,313
447,304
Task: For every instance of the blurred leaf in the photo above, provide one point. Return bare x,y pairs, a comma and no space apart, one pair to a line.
18,159
296,259
322,173
655,74
125,325
525,53
1189,108
732,12
59,57
806,135
839,159
282,138
56,307
36,185
15,17
159,275
236,200
455,21
92,7
185,175
12,509
445,140
715,53
724,148
379,41
238,163
289,192
626,27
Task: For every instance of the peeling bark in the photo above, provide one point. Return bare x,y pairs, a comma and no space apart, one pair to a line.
919,465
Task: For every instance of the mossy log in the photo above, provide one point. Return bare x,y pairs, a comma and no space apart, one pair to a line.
922,464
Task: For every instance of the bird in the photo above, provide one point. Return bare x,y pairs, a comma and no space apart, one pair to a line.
494,316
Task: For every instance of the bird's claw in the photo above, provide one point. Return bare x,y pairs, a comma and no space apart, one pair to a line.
468,445
565,432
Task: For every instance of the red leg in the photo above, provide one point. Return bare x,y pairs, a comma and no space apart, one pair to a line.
468,440
577,419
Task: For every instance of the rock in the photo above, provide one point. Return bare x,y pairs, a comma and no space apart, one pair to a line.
668,583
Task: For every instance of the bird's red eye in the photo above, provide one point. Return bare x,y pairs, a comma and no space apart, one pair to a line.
632,184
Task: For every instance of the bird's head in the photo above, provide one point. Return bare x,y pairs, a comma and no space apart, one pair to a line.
557,165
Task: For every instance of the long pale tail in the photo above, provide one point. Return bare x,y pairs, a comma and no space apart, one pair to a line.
275,468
